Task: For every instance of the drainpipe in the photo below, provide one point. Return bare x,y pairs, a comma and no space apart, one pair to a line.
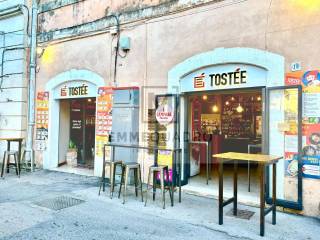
32,81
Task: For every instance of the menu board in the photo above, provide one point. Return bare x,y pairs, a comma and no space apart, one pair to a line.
103,119
42,120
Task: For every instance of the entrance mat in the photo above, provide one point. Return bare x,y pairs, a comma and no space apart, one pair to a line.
243,214
59,203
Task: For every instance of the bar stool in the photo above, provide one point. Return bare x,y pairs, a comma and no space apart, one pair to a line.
26,164
6,162
153,171
126,167
113,167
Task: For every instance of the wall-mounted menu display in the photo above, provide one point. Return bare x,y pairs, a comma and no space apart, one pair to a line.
42,120
103,119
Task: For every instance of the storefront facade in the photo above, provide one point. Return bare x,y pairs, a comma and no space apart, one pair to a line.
233,58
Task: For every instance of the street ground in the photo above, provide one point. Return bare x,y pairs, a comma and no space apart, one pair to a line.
99,217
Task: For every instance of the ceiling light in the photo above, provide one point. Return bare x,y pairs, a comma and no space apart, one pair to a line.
215,108
239,109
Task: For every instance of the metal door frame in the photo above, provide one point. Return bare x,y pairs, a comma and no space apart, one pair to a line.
176,129
280,202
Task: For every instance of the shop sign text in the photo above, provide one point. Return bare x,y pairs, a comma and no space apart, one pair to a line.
231,78
74,91
227,76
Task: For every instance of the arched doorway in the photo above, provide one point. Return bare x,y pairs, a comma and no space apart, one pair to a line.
71,87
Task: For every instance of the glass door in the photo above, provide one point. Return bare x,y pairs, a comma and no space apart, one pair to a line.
284,138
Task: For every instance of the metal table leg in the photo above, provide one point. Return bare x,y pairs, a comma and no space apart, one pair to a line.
235,188
262,199
8,149
207,161
274,193
19,155
220,192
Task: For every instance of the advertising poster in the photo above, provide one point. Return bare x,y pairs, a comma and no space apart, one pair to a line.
165,119
311,151
311,124
310,82
42,120
103,119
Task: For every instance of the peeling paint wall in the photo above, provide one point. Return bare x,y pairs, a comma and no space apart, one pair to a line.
56,16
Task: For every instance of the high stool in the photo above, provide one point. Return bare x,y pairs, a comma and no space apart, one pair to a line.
126,167
26,164
153,171
113,167
6,162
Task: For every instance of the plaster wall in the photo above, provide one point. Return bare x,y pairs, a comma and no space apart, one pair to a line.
159,44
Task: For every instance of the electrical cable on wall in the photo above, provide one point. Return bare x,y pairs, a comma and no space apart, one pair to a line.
117,48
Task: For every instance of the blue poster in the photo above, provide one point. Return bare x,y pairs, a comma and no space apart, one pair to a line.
311,167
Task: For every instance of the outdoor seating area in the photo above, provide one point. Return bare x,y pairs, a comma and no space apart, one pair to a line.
15,157
158,176
11,158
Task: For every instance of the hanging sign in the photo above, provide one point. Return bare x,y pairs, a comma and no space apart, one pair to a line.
103,119
42,120
226,76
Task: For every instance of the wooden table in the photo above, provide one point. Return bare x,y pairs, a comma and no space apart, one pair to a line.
9,141
263,161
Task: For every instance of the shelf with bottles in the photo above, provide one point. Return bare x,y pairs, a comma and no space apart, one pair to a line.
239,115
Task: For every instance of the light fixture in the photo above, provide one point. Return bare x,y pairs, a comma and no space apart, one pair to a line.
40,52
215,108
259,98
89,100
239,109
232,99
204,97
227,103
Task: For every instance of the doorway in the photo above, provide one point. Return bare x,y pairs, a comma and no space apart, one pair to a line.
77,134
224,121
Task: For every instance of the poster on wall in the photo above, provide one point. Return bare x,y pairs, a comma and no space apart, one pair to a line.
311,151
310,82
42,120
103,119
311,124
165,119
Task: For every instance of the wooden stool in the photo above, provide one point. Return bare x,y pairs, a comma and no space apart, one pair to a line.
153,170
6,162
126,167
